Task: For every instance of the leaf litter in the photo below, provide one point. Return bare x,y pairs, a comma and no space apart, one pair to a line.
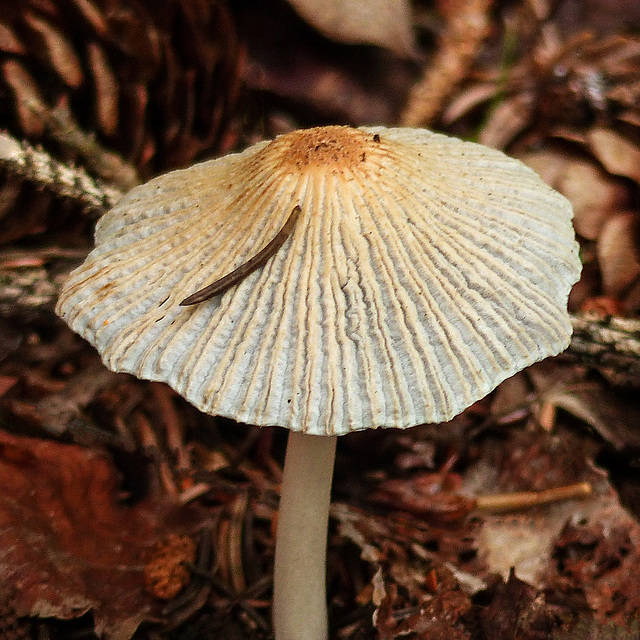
122,501
69,542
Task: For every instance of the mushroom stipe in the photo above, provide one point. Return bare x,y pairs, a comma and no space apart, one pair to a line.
237,275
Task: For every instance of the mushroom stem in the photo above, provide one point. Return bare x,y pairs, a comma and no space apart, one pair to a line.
299,584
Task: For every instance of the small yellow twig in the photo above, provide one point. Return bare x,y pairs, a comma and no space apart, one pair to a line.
527,499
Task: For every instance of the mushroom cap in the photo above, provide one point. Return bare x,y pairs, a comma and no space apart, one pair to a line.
422,271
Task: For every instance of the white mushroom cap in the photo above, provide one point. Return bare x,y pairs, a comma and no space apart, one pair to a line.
421,272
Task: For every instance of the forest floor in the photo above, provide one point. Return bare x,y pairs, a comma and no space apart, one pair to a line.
126,513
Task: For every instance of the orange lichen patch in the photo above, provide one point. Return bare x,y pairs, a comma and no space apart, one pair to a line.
331,147
166,571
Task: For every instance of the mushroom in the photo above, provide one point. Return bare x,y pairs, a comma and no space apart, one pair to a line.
330,280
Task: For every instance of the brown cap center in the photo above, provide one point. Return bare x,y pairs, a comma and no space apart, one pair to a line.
330,147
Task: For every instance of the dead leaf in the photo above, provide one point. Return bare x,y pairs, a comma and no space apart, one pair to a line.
467,26
67,542
415,589
618,155
507,121
589,547
588,629
9,42
106,90
619,253
431,496
518,611
55,47
610,415
594,194
29,102
433,618
385,23
367,86
550,164
599,553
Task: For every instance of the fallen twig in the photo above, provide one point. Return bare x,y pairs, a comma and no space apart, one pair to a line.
21,160
608,343
467,27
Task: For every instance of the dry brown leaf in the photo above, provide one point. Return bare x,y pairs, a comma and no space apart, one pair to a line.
524,541
590,546
619,253
507,121
598,407
561,82
415,590
386,23
618,155
594,194
529,461
9,42
588,629
106,88
593,401
467,101
549,164
67,542
399,544
368,86
29,103
598,552
518,611
430,496
434,619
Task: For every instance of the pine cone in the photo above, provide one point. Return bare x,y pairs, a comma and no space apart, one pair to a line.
123,89
152,80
